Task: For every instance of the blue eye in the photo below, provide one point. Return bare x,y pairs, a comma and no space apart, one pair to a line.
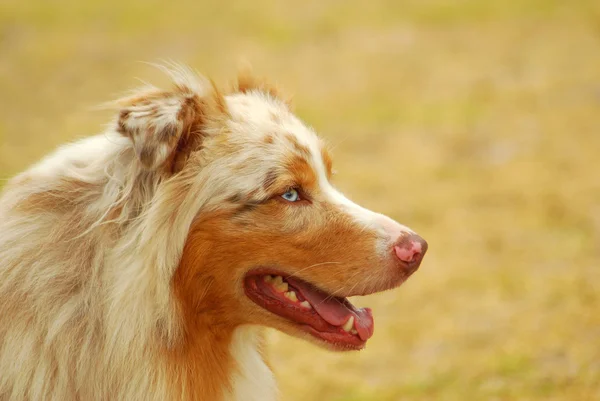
291,195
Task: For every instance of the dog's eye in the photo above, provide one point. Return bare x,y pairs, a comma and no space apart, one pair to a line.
291,195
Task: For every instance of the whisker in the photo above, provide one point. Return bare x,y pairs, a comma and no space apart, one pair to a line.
311,266
338,143
337,291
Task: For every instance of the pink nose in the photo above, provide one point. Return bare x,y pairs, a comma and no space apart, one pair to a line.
410,249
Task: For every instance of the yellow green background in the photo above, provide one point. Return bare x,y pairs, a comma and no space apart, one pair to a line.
477,123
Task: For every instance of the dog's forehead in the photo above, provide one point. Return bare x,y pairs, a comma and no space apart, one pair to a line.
271,142
262,120
264,114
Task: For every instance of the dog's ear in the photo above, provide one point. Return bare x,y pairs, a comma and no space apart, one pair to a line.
166,125
247,81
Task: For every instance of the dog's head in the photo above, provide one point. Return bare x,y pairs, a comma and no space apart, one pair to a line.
272,242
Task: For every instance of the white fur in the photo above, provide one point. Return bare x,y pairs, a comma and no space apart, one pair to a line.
253,380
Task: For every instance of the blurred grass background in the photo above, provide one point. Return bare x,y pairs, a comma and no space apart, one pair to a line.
474,122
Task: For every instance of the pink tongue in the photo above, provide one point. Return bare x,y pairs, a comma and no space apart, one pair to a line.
335,312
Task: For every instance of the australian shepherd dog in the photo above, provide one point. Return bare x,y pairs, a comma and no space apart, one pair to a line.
144,263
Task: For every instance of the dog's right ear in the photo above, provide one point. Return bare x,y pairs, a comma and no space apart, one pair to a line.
165,126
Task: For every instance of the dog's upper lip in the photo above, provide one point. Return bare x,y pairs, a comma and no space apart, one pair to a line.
292,276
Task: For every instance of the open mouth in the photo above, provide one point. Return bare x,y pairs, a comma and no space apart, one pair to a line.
329,318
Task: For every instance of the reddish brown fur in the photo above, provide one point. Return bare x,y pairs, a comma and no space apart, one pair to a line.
63,197
247,81
327,162
298,147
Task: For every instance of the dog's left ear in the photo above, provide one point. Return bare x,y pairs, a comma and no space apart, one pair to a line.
165,125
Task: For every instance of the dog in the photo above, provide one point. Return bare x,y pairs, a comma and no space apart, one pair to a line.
144,263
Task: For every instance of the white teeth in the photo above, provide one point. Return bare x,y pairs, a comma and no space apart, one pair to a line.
291,296
268,278
283,287
279,284
353,331
305,304
349,324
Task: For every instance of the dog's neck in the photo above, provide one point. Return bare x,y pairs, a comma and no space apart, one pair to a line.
223,365
252,379
219,358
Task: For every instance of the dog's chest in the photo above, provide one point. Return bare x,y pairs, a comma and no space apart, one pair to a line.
252,379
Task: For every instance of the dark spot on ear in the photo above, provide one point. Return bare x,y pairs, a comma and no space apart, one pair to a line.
187,110
121,129
154,112
168,132
270,179
146,156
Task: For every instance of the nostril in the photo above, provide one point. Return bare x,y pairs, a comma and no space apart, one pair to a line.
407,253
410,248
